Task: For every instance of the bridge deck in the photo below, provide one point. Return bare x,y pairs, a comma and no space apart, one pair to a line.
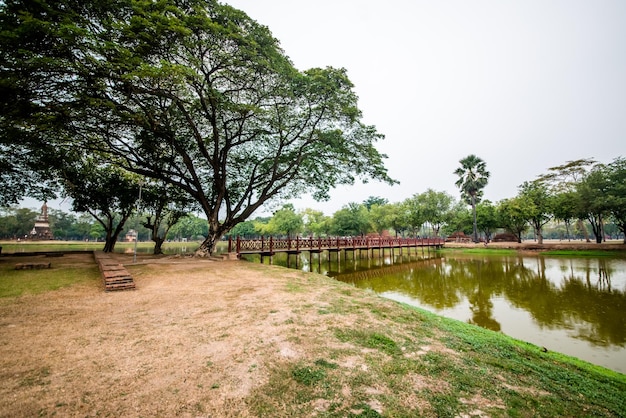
269,246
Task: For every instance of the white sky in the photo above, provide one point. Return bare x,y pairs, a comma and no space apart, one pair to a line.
524,85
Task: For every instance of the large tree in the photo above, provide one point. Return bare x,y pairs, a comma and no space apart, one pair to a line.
195,94
162,206
415,216
108,194
564,209
562,181
486,218
351,220
473,177
513,215
285,221
436,208
616,174
594,200
541,209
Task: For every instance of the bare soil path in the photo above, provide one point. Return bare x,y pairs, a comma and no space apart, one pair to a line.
196,338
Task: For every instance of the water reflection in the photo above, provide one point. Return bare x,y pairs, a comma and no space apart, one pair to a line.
571,305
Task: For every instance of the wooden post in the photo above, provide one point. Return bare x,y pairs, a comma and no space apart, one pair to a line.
271,249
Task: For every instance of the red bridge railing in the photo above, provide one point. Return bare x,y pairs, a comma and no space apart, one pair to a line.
272,245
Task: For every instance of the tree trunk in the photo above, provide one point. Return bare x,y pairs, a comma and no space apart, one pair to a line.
475,226
583,228
596,227
158,243
110,239
109,243
207,248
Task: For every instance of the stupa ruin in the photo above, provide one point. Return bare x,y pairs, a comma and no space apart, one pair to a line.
41,230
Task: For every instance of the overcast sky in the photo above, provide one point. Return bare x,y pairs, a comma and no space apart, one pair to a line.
524,85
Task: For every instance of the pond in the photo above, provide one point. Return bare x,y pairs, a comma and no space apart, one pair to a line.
573,305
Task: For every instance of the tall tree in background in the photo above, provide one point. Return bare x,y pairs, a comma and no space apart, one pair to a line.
616,173
162,206
513,215
285,222
593,200
415,216
194,94
107,193
473,177
315,222
486,218
374,200
351,220
562,180
541,208
564,209
436,208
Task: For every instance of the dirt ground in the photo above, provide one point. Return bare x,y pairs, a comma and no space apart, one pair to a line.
189,341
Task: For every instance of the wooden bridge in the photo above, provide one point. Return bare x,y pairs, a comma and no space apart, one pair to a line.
270,246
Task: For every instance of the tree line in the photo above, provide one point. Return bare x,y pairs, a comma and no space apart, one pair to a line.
580,199
17,223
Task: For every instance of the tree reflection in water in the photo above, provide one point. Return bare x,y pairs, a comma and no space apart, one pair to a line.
579,295
574,305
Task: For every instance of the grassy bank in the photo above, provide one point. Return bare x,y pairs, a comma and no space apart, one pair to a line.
567,250
145,247
300,344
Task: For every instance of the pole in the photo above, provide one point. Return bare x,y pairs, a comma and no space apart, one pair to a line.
137,232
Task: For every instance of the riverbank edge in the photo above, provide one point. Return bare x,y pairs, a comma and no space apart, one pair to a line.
547,246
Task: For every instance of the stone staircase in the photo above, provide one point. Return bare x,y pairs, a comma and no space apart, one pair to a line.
114,274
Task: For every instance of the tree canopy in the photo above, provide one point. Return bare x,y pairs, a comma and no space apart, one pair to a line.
194,94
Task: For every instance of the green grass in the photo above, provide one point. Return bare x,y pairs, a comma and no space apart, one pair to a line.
457,363
486,251
502,251
9,247
585,253
15,283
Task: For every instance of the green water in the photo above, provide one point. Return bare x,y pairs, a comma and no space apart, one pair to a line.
573,305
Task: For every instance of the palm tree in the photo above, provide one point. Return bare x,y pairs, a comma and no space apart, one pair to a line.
473,177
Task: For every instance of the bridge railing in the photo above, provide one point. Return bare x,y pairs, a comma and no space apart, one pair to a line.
271,244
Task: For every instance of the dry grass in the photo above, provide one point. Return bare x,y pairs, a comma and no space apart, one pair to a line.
200,338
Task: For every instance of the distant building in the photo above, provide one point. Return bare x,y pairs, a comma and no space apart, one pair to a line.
41,230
